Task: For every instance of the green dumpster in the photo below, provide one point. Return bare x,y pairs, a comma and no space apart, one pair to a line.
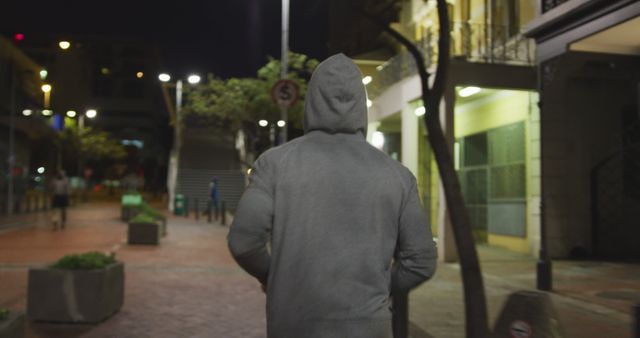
178,205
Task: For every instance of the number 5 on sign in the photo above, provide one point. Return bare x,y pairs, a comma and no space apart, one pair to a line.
285,93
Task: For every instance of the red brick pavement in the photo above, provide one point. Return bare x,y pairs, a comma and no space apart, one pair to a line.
188,286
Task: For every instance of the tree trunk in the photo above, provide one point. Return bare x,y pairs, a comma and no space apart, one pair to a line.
474,296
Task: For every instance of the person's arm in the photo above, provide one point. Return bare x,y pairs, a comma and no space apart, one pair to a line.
416,254
249,232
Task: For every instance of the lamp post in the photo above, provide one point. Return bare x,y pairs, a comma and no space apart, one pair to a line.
90,113
174,157
284,62
272,128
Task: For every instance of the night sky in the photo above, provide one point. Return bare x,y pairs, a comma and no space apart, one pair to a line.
224,37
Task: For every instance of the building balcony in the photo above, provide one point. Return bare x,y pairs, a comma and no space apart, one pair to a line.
548,5
478,43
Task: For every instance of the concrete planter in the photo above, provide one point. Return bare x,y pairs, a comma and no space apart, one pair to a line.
14,326
75,296
128,212
163,225
145,233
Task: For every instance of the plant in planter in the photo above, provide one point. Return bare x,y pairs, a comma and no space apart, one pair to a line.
157,215
144,229
12,324
79,288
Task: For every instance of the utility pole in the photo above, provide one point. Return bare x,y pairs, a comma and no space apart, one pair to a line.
284,64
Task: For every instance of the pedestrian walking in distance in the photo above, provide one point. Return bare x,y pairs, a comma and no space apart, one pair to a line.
329,225
60,202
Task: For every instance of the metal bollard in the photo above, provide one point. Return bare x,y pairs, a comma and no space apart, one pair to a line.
400,319
636,313
196,209
186,207
224,213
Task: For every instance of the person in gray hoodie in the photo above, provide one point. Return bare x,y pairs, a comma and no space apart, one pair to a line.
330,225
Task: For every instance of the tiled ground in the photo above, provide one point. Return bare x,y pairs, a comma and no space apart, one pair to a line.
189,286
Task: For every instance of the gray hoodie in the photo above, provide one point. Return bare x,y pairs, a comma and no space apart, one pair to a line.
344,222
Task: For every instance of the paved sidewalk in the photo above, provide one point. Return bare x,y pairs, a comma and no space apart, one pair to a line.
593,299
188,286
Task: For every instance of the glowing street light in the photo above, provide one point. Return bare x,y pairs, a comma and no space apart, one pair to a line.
468,91
193,79
164,77
46,88
377,140
281,123
71,113
47,112
64,45
139,75
27,112
263,123
420,111
91,113
43,74
41,170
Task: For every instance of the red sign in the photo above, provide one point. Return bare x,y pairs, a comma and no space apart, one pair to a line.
285,93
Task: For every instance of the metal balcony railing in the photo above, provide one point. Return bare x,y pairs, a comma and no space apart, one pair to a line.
548,5
495,44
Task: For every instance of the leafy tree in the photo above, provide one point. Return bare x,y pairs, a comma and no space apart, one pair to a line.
91,144
237,103
476,318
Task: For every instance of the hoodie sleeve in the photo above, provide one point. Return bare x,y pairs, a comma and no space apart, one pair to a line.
416,254
249,232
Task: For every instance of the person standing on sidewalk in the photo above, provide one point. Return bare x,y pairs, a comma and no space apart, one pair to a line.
213,196
60,202
344,222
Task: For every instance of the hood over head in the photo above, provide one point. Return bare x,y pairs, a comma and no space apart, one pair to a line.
336,100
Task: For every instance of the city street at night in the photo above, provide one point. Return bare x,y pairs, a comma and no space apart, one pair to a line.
320,169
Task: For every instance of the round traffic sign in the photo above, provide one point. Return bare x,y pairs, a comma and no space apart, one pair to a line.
285,93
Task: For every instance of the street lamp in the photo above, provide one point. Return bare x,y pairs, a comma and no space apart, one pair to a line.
46,89
174,158
193,79
71,113
272,130
64,45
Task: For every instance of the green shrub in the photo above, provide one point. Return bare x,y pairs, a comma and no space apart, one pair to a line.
4,314
147,209
143,217
85,261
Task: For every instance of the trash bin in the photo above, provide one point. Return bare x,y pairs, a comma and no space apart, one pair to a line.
178,205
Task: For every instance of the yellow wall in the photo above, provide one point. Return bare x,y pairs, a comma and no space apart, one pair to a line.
517,244
498,108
